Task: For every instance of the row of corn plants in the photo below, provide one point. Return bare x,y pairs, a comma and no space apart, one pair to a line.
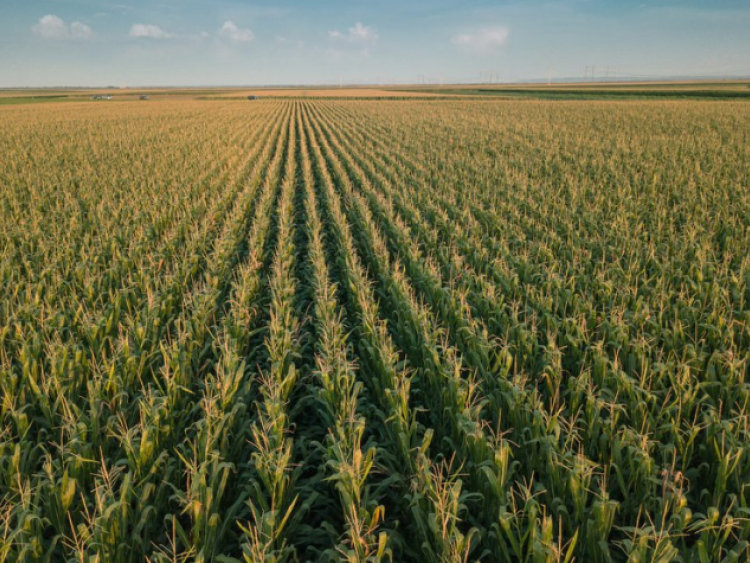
548,459
274,501
91,427
348,461
667,489
489,474
428,493
220,348
419,330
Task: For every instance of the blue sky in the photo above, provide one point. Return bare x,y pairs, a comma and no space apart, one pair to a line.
236,42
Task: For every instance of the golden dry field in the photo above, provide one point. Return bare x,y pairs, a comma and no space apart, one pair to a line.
447,330
345,92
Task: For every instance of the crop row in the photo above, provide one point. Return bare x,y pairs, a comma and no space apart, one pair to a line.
433,331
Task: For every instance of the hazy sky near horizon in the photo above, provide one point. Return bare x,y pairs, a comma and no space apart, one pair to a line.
238,42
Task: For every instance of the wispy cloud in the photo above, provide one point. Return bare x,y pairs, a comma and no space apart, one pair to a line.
80,30
149,30
359,33
231,31
53,27
482,40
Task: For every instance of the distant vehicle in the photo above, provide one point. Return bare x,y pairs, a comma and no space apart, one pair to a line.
144,97
252,97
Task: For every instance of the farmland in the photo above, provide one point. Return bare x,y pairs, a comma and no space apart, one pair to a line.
417,330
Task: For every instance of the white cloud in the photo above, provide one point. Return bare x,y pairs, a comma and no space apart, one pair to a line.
149,30
483,40
239,35
80,30
53,27
358,34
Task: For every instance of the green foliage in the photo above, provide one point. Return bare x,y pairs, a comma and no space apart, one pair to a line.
374,331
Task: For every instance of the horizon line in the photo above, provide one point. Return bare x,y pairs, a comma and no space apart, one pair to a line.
336,85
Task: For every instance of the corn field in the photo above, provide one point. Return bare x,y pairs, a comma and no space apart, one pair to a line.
439,331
